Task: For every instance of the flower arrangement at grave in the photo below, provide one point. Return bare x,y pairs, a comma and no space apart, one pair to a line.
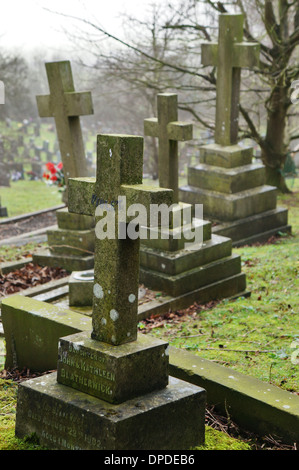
55,175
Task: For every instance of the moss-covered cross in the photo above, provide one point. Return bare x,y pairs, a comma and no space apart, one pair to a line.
116,270
169,132
65,106
229,55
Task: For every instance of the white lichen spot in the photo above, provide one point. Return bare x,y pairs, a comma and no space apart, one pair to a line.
114,315
128,334
132,298
231,377
98,291
113,339
286,407
103,321
163,266
110,153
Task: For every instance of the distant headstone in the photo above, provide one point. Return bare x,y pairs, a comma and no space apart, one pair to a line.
72,245
231,188
120,377
209,270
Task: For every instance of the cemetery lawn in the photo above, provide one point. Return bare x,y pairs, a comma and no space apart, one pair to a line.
23,197
258,335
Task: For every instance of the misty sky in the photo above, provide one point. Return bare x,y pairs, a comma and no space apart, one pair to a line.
25,24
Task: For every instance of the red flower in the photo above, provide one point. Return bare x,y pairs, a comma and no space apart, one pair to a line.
60,166
50,166
54,178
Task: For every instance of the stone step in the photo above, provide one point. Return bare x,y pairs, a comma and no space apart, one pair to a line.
226,180
71,242
175,239
227,157
193,279
68,262
254,227
230,207
69,221
184,260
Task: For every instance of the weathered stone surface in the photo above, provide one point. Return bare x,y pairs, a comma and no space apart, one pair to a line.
226,180
181,261
258,227
233,206
71,242
68,262
81,290
64,418
191,280
114,374
32,329
169,132
230,156
251,403
68,221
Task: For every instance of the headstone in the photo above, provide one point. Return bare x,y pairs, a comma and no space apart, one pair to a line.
71,246
231,188
112,390
3,211
208,271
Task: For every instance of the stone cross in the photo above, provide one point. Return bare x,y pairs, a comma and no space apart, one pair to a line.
116,270
169,132
65,105
229,55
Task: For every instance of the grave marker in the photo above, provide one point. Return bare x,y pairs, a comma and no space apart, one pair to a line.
71,246
231,188
208,270
112,390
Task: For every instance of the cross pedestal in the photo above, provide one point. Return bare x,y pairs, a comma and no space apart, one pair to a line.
203,271
71,246
112,389
226,181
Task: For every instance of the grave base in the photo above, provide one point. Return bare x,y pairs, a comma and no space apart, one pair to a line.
63,418
3,212
68,262
256,229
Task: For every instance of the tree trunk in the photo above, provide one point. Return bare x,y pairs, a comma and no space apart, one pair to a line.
274,150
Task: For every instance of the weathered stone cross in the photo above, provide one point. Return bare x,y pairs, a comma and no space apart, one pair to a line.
169,132
65,105
229,55
116,270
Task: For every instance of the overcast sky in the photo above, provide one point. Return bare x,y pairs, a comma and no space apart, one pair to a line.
25,24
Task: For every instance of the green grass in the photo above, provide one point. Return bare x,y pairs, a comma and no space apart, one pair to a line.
26,196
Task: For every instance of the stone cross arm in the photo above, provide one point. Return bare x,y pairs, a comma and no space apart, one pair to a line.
84,198
176,130
76,104
244,54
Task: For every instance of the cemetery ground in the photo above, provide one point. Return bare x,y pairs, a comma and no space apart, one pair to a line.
257,335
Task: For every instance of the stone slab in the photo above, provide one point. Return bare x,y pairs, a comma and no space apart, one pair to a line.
69,221
229,156
67,419
3,212
191,280
184,260
32,329
70,263
226,180
71,242
232,206
114,374
255,228
175,239
256,405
